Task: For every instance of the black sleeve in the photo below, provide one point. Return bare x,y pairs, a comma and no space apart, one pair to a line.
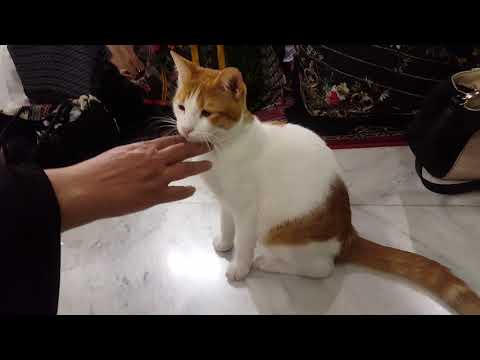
30,229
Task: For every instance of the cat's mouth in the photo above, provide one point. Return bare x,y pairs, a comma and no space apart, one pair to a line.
190,136
195,140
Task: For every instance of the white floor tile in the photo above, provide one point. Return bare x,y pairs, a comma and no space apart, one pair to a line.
161,261
386,176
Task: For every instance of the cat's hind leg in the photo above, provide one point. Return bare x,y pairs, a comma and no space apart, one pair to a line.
310,260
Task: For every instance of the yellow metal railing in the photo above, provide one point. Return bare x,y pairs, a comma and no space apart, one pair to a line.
220,55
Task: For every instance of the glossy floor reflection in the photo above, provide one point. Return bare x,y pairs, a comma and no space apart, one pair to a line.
161,261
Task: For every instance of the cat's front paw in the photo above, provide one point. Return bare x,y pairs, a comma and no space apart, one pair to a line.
237,271
220,244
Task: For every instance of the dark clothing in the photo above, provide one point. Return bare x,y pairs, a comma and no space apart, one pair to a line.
51,74
30,234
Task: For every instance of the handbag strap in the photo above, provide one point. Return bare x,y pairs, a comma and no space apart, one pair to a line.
446,189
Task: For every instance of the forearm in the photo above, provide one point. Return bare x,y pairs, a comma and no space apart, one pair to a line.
78,196
30,256
71,198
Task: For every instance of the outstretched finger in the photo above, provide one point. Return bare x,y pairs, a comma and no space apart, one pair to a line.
180,152
186,169
165,141
156,144
176,193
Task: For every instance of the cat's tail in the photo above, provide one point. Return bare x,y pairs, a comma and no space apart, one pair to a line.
424,272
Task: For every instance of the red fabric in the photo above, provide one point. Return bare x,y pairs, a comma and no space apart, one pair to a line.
384,141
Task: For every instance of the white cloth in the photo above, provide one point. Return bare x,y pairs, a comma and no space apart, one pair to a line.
289,53
12,95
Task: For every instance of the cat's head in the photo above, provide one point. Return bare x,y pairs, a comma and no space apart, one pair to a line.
209,105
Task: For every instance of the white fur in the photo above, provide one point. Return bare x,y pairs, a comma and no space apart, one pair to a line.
263,175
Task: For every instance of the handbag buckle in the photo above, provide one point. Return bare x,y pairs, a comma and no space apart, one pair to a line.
469,96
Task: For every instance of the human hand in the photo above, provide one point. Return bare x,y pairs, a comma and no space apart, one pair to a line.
125,59
126,179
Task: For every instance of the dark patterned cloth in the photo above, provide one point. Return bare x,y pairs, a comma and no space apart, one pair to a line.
260,67
354,82
262,73
362,95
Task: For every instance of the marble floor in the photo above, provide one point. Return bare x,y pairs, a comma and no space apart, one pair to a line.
161,261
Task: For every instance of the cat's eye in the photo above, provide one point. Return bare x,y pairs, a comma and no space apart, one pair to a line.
205,113
181,107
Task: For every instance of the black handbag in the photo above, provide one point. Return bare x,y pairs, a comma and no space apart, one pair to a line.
445,136
53,137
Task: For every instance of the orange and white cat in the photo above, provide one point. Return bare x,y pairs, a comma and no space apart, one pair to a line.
280,190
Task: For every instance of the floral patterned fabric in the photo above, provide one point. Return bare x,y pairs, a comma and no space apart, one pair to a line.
355,82
260,66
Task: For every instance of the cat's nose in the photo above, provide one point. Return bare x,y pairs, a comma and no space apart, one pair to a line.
187,131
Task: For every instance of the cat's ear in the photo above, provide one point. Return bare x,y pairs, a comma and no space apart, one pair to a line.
231,79
185,68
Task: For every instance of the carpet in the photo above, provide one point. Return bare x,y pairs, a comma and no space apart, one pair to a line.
342,135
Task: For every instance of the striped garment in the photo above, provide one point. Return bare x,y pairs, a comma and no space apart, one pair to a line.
52,74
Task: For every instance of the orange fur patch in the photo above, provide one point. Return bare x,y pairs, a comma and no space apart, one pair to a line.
333,219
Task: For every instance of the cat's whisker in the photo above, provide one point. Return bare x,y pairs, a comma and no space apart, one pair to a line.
204,139
162,117
167,125
168,120
209,139
218,145
219,141
165,122
170,129
169,133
